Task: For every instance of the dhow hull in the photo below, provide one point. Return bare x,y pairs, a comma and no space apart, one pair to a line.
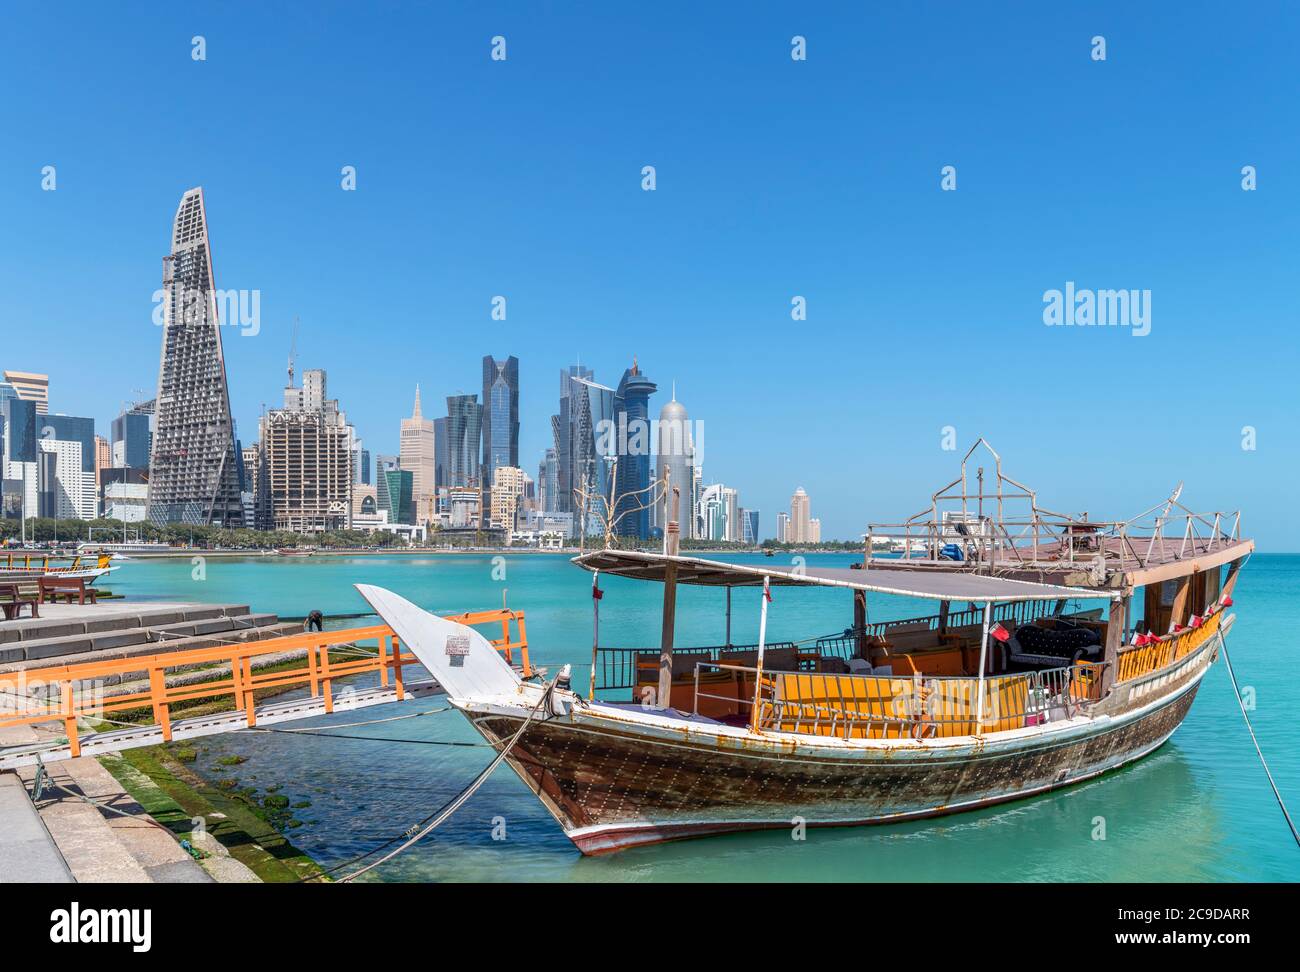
612,784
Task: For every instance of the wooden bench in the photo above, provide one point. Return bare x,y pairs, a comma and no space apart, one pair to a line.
13,599
52,588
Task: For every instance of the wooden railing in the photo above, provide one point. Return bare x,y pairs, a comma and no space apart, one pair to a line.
925,707
1136,661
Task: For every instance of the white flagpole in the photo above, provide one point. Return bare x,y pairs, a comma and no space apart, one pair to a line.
762,641
984,649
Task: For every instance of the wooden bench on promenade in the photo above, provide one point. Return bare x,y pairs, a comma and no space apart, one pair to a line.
52,588
13,599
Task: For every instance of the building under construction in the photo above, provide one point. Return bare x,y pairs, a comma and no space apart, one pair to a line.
305,465
193,476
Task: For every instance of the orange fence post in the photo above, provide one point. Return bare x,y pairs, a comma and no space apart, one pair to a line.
397,669
383,661
250,701
326,681
523,645
161,709
237,682
314,669
70,720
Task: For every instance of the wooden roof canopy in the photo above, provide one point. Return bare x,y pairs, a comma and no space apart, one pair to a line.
930,584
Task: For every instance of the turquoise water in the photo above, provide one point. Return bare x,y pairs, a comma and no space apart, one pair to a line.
1199,809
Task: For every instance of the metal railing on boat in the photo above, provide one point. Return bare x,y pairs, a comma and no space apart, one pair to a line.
619,669
887,707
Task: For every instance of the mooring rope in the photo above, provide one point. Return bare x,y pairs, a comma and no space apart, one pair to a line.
386,739
1223,646
417,831
368,722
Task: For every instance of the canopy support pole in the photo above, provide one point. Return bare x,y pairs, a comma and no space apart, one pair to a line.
1116,619
860,623
595,631
762,642
979,690
728,642
672,540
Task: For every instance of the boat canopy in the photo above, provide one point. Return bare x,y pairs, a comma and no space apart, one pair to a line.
934,585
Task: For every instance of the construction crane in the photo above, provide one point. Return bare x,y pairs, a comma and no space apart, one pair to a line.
293,349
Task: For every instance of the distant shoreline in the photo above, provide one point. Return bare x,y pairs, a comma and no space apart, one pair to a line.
188,552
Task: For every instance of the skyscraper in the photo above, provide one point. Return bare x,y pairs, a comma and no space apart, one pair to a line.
31,387
21,455
586,410
547,471
418,457
508,490
383,465
129,442
464,431
192,470
67,490
632,421
799,529
500,415
21,430
441,460
564,484
306,448
103,457
398,483
79,430
72,428
676,455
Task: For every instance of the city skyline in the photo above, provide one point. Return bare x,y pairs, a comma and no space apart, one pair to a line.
698,275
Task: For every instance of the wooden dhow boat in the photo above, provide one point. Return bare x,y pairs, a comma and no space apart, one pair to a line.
27,564
1059,648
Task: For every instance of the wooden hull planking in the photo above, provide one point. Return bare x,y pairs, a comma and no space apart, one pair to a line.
611,786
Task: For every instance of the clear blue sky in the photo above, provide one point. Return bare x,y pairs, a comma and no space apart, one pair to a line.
775,179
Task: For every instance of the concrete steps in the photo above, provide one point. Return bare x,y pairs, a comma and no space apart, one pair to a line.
62,621
125,635
103,846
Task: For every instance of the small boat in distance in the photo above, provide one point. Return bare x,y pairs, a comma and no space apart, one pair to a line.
123,547
295,551
1059,648
20,564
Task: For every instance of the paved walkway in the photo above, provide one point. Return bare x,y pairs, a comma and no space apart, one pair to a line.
27,851
67,839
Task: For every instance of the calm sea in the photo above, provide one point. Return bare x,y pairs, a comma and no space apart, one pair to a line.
1199,809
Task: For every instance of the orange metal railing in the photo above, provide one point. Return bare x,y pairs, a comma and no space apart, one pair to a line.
77,687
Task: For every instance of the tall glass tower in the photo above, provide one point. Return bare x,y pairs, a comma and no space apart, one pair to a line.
590,411
632,420
464,424
561,431
192,473
500,415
